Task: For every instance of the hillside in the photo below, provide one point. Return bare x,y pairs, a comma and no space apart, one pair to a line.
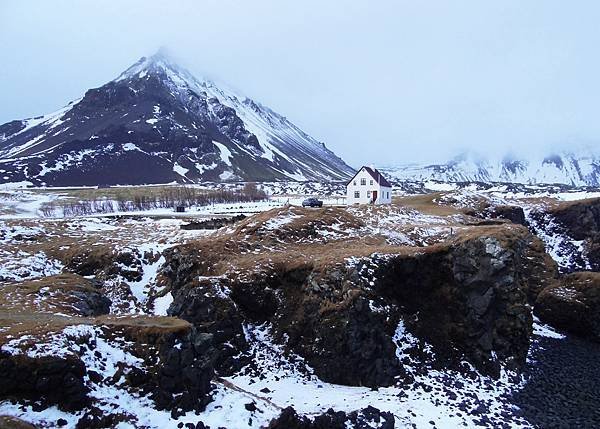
575,168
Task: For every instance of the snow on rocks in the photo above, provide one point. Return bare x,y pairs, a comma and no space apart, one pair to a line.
24,265
446,398
542,330
567,252
283,218
276,378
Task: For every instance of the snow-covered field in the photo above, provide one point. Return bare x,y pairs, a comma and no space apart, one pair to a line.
440,398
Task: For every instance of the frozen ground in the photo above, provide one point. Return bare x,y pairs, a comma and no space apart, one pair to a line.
275,380
440,398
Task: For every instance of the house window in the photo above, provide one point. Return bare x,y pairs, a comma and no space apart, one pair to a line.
368,194
363,181
355,183
371,182
356,194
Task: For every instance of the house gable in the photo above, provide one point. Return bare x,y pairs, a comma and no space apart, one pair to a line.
375,174
368,186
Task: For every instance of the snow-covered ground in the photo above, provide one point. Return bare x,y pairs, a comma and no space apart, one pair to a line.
28,203
446,398
434,397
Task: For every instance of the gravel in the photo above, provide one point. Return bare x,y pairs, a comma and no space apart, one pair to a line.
563,387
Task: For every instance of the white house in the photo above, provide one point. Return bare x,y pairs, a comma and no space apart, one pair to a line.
368,186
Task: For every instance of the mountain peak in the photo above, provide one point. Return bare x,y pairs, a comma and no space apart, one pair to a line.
162,53
575,168
171,126
160,61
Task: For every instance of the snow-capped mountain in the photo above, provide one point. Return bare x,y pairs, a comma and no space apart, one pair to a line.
581,168
157,123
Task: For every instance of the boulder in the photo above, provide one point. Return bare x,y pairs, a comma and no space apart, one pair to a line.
50,380
573,304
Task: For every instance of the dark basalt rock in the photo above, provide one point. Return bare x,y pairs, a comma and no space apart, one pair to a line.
129,265
205,304
78,295
575,228
184,375
50,380
177,371
90,262
214,223
322,333
573,304
581,220
369,417
95,418
217,322
91,303
469,301
514,214
562,389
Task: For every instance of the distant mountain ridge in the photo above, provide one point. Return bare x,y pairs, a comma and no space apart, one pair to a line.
157,123
576,168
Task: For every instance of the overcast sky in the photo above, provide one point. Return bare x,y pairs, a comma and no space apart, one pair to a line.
379,82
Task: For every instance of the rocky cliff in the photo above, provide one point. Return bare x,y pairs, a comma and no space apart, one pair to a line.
466,299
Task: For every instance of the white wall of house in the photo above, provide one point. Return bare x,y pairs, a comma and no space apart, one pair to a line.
360,190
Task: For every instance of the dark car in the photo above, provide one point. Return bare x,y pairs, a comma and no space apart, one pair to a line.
312,202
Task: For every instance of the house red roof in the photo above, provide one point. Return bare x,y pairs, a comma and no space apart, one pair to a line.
376,175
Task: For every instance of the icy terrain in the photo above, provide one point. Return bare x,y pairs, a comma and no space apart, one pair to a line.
271,377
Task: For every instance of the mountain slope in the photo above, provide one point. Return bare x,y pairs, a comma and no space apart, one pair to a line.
581,168
156,123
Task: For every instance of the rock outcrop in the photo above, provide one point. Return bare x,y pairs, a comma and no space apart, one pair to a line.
323,317
217,323
65,293
573,304
581,219
467,299
369,417
180,381
514,214
571,231
47,380
486,210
